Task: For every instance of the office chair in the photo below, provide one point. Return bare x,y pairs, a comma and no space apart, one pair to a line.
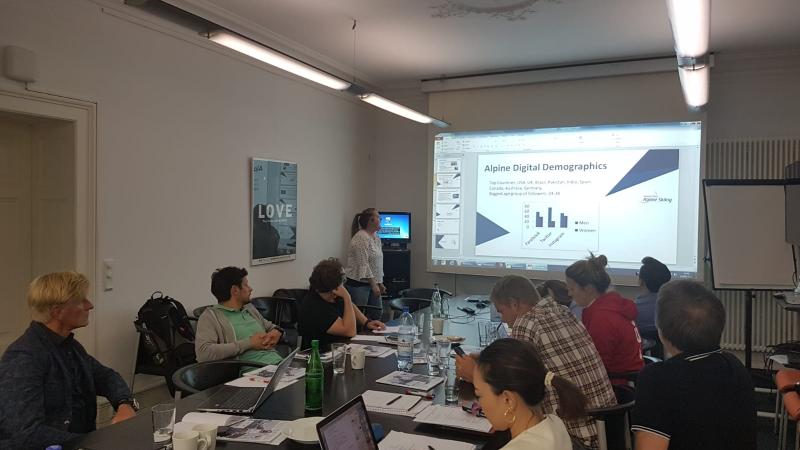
413,304
198,377
613,422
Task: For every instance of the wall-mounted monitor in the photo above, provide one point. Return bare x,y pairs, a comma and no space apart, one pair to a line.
395,226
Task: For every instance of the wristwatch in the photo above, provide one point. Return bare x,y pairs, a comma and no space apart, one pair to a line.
132,402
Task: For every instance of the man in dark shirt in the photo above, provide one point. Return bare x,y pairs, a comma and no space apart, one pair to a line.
48,383
327,313
702,397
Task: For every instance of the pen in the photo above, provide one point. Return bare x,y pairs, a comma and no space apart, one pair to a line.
422,394
394,400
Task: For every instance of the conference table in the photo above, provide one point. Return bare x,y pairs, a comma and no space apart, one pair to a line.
288,403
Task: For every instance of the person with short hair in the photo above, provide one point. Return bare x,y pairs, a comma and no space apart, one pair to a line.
327,313
701,397
234,328
563,344
608,317
557,290
364,268
511,382
652,275
48,382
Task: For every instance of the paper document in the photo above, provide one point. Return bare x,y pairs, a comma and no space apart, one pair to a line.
369,338
305,354
396,440
453,416
242,429
373,351
410,380
390,400
292,373
388,330
256,381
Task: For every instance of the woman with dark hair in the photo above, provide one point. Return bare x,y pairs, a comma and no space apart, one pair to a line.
327,313
511,382
608,317
365,262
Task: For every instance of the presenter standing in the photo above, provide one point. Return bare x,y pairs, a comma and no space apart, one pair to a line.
364,269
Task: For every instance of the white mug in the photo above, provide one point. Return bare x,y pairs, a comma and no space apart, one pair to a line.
208,431
357,357
189,440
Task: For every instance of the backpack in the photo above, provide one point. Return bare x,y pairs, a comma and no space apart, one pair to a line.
166,336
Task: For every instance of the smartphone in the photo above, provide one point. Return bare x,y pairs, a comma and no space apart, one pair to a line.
459,351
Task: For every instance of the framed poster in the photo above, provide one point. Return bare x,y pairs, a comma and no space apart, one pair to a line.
273,204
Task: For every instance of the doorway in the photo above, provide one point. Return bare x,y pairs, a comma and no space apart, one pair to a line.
46,145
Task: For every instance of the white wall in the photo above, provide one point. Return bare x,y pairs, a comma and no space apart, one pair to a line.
177,124
751,96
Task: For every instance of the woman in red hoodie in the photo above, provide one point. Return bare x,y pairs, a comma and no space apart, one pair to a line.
609,317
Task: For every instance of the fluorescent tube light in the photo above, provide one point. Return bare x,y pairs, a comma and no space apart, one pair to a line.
695,86
277,59
400,110
690,21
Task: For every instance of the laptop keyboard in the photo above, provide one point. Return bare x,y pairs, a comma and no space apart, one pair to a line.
234,398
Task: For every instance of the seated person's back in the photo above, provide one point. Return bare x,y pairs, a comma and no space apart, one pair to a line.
652,275
327,313
608,317
701,398
234,328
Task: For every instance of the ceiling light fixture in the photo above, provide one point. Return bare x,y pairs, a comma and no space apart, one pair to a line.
277,59
690,21
396,108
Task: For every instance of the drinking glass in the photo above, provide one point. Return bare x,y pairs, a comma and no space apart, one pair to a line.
487,332
443,349
451,385
433,359
163,421
339,351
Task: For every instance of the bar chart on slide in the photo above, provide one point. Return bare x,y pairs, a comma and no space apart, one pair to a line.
570,226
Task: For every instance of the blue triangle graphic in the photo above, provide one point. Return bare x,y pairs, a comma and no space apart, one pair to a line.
653,164
486,230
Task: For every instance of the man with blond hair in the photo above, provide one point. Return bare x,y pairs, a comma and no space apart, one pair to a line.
48,383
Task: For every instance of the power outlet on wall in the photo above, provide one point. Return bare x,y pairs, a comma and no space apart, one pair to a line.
108,274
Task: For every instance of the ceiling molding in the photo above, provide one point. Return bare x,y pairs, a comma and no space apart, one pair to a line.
220,16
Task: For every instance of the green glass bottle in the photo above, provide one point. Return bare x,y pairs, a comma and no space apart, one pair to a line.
315,379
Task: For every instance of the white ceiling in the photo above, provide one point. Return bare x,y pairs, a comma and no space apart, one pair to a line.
398,42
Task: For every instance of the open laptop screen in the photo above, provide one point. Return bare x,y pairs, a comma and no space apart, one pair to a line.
347,428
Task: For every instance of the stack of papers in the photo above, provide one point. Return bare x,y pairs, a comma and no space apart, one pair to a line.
305,354
453,416
242,429
393,403
396,440
262,376
388,330
410,380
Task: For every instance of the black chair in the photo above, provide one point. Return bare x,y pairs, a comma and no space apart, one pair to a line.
199,310
423,293
282,311
633,375
201,376
413,304
613,422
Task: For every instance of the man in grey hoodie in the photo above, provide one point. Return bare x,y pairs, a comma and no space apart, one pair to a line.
234,328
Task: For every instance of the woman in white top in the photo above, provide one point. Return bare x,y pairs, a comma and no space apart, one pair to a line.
364,269
510,383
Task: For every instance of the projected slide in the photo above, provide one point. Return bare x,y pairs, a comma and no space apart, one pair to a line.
539,200
550,203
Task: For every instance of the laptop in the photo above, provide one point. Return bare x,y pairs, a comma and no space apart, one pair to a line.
347,428
244,400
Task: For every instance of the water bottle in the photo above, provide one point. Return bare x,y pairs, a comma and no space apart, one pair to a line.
436,302
405,341
315,379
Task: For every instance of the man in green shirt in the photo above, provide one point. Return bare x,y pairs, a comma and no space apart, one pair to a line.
234,328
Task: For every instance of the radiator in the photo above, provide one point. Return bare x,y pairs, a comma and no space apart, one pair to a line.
753,159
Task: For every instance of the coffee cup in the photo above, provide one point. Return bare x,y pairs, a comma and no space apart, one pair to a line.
189,440
358,357
209,432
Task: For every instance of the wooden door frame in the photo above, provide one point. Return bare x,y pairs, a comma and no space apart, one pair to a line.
83,115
